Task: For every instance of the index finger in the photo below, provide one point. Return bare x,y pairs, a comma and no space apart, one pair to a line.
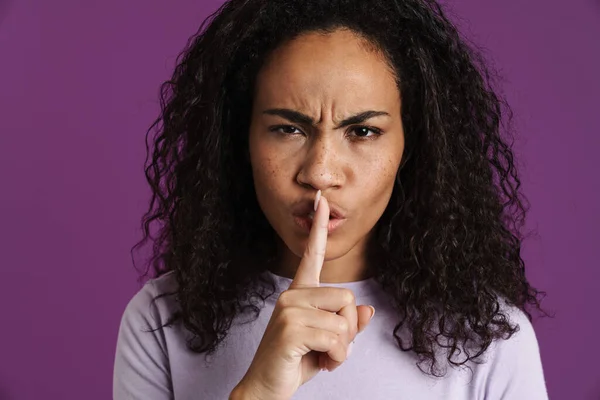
309,271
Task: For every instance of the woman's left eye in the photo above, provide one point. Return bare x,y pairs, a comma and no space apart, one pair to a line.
363,131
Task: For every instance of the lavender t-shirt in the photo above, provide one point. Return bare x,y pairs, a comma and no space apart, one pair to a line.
157,365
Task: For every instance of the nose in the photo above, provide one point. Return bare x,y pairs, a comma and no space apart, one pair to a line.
322,167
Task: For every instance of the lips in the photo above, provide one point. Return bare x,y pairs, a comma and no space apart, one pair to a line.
306,209
305,224
304,213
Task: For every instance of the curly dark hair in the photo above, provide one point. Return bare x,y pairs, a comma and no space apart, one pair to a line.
448,244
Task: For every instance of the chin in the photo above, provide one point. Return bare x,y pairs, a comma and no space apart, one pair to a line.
335,248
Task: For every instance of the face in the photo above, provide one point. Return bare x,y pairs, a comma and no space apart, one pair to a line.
326,116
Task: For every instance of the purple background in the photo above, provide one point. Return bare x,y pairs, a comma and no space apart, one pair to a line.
78,89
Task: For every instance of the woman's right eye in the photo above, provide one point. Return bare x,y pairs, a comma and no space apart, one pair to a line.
285,129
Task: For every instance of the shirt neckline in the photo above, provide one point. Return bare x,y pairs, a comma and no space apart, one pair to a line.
362,288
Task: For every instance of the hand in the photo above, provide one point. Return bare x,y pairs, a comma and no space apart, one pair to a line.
311,327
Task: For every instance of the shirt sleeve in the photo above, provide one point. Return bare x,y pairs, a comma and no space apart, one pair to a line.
141,369
516,371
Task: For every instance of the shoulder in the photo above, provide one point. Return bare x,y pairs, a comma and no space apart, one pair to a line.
524,340
147,311
514,366
141,368
148,305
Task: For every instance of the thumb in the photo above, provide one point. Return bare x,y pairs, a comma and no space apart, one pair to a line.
365,315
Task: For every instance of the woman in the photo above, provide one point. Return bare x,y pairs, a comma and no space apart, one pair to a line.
316,161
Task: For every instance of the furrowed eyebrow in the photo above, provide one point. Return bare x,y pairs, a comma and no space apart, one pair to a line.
300,118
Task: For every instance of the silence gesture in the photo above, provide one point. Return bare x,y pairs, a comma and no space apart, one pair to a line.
311,327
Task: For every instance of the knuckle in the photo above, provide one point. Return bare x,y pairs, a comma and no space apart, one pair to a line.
285,299
333,339
343,324
348,296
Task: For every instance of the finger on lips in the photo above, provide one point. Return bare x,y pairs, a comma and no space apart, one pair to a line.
308,275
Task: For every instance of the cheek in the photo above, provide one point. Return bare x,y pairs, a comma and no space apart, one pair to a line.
379,173
376,169
382,183
377,183
267,173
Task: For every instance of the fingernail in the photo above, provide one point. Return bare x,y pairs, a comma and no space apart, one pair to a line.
373,314
349,349
317,198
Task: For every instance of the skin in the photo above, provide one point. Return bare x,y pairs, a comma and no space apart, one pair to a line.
329,78
311,327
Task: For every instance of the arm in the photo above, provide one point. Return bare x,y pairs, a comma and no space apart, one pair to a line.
141,369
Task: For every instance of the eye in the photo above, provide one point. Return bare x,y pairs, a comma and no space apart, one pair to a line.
365,131
285,130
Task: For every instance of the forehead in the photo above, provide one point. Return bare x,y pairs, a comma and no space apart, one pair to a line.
336,67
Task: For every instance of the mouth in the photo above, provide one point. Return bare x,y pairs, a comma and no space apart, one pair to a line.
303,213
305,222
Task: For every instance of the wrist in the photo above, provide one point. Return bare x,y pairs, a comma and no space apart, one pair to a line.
236,394
242,392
